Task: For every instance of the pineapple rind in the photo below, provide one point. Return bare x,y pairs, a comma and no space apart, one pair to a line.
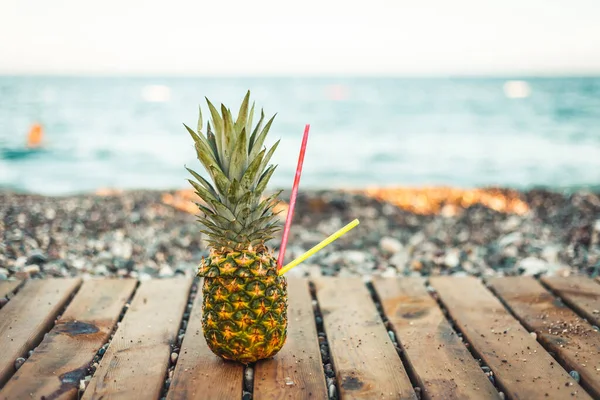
245,313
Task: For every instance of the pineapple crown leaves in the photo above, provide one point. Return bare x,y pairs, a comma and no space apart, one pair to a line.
237,163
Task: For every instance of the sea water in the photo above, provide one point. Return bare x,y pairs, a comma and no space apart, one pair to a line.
127,132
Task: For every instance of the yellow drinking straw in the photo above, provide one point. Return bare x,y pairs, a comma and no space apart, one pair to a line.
318,247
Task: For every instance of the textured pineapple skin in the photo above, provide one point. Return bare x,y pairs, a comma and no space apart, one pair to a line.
244,306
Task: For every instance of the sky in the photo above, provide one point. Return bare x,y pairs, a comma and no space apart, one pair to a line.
308,37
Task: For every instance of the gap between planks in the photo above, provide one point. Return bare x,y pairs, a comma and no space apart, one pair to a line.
200,374
522,367
579,292
297,370
434,353
28,316
137,358
61,361
7,288
572,339
365,360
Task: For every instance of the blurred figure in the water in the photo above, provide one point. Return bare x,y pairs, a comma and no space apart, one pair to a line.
35,136
34,145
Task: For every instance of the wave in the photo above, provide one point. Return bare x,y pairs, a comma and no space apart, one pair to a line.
16,154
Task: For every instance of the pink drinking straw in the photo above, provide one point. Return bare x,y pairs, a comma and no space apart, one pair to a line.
290,215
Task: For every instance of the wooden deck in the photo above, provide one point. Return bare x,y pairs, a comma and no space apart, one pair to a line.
405,338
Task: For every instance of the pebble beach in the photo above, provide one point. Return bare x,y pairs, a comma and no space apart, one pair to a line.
137,234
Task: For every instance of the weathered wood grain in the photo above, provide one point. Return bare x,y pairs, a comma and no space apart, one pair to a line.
58,364
365,361
438,358
200,374
572,339
581,293
135,364
28,316
296,371
8,287
523,369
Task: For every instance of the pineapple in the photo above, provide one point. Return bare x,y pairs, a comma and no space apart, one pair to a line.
244,300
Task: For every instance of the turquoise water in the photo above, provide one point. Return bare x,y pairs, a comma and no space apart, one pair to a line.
128,133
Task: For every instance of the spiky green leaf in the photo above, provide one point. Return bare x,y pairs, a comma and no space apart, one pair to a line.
255,132
232,193
222,210
242,114
216,218
260,222
199,129
264,179
210,137
252,172
267,158
265,205
228,137
221,181
260,139
201,192
239,157
205,157
217,123
204,182
249,121
193,134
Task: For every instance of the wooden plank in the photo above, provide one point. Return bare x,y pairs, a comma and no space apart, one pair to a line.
136,361
573,340
581,293
296,372
7,287
438,358
58,364
523,369
365,360
199,373
30,314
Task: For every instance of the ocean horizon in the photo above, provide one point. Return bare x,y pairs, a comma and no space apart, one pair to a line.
127,132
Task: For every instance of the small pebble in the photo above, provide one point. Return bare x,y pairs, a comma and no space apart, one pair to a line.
102,349
19,362
575,375
331,391
390,245
32,269
392,336
329,370
249,378
174,357
533,335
